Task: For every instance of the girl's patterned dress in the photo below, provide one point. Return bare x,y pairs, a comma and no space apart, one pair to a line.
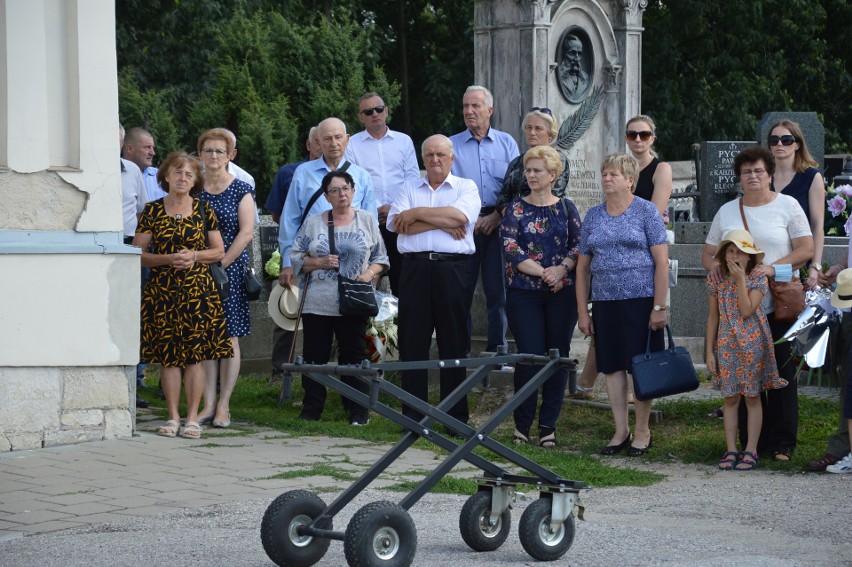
744,351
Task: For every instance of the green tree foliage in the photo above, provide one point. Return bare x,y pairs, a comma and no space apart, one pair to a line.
711,70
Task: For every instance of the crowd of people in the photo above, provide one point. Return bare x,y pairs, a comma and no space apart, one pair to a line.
357,208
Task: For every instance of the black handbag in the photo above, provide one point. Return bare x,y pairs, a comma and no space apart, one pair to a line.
663,373
253,284
356,298
220,276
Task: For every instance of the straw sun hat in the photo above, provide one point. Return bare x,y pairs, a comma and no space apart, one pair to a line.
741,239
842,296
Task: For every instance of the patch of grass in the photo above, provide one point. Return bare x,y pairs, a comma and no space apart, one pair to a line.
217,445
685,435
330,471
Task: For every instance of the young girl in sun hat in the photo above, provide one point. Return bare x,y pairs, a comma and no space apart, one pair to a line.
739,350
842,299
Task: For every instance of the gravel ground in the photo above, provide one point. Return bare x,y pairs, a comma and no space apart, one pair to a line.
697,516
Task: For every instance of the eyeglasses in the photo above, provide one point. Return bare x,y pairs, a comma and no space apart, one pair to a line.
214,152
644,135
748,172
786,140
542,110
369,111
341,190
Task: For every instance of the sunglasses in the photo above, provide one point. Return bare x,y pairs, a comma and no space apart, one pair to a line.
644,135
541,109
786,140
370,111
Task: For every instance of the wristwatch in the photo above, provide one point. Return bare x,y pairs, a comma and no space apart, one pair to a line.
659,308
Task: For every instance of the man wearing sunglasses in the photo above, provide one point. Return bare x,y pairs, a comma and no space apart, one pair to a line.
390,159
483,155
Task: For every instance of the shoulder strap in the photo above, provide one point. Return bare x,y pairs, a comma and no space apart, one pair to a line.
204,220
311,202
344,167
742,214
331,247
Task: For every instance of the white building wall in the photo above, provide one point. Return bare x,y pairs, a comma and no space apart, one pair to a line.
69,291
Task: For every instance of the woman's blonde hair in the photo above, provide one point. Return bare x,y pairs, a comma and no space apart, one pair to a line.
548,119
626,164
551,158
803,159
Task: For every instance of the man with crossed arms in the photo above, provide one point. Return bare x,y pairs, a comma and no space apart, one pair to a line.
434,218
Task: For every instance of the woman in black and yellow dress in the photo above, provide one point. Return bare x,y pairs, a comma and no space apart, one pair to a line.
183,322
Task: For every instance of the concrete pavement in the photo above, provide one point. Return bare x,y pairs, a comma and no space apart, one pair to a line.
52,489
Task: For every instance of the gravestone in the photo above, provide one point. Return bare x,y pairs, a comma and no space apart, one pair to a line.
812,129
579,58
717,183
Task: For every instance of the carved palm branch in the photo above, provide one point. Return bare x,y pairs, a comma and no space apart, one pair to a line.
576,125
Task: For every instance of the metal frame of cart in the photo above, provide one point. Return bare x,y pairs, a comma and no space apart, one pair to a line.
297,526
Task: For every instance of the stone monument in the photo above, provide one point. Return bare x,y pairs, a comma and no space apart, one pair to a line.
582,59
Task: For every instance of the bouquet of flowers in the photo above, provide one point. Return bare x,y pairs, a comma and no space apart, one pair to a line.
381,333
838,205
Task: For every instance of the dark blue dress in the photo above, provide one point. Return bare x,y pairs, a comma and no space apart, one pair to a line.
226,206
799,188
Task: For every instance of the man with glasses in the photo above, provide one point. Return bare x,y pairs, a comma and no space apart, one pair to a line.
483,155
303,199
390,158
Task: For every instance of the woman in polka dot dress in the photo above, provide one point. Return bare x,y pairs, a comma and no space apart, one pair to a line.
233,203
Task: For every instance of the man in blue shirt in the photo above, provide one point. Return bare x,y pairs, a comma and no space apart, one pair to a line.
483,155
281,184
301,202
390,158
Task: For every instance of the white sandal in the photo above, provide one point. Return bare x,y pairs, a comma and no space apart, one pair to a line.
169,428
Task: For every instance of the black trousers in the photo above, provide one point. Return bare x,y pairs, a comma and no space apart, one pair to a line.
319,331
433,296
281,343
394,257
780,407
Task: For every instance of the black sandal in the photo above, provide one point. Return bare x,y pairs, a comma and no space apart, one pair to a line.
520,438
547,437
783,456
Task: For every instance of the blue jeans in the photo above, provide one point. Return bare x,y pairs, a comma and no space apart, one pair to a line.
488,260
540,321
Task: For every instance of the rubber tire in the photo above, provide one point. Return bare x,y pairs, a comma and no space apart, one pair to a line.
534,528
372,522
281,544
473,523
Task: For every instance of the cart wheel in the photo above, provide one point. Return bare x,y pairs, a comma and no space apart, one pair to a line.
475,523
281,541
536,536
380,534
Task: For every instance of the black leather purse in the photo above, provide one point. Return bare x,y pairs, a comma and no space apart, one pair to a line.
357,298
663,373
220,276
253,284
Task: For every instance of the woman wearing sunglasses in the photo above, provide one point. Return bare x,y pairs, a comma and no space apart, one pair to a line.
539,130
655,177
796,175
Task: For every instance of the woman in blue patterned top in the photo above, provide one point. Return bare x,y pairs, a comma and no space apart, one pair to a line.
623,245
540,234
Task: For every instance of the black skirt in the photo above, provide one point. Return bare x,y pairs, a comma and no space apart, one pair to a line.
621,331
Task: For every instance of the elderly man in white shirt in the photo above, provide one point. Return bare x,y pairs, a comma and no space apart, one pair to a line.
434,218
390,159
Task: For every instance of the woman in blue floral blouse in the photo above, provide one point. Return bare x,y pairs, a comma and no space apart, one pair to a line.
540,235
